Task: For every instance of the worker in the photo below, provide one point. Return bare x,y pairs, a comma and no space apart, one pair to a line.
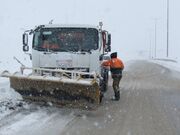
116,67
50,45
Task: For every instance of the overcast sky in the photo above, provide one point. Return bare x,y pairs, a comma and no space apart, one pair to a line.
131,22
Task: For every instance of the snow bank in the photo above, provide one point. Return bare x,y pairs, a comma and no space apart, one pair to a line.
9,99
7,93
8,107
173,64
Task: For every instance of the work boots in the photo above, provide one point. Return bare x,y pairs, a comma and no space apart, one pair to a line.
117,95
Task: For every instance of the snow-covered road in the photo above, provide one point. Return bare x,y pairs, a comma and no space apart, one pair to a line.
21,118
149,105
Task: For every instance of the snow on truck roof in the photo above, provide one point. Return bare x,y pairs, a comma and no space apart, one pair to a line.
70,26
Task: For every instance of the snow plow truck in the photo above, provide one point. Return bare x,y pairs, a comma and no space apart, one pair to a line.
66,65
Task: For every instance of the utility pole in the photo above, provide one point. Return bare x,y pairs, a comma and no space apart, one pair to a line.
167,53
150,55
155,36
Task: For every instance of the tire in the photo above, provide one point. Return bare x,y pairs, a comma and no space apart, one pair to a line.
104,81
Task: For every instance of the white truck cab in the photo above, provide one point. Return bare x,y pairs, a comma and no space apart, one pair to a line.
70,47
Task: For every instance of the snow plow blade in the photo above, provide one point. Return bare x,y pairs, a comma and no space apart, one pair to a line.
73,93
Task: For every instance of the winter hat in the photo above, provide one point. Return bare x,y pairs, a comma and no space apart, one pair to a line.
114,55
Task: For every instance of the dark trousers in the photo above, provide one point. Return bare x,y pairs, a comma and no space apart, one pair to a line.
116,81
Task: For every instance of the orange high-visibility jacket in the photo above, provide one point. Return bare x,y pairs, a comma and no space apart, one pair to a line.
114,63
116,66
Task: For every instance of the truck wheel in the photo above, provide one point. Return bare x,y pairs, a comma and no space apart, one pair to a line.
101,96
104,81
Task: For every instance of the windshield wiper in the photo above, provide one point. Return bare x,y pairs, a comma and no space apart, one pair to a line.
64,50
45,50
86,50
39,48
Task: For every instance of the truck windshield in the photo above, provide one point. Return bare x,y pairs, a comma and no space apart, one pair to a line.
66,39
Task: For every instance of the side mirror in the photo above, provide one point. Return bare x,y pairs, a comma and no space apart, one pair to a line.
25,48
108,44
25,42
109,40
108,49
25,39
106,41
